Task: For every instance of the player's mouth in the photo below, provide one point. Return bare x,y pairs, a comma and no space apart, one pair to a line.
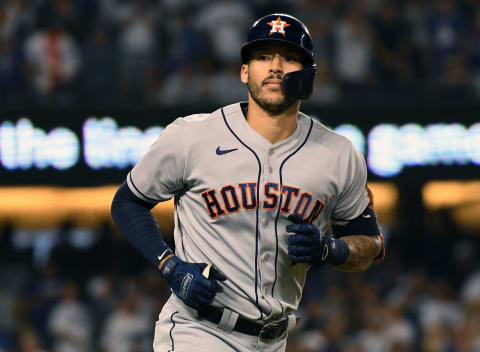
273,83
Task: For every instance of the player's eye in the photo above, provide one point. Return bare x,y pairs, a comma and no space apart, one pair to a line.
290,58
263,57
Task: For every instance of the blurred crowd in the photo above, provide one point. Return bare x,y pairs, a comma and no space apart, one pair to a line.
82,290
76,289
170,52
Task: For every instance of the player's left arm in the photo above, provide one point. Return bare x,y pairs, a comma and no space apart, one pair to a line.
353,246
361,231
364,240
364,250
355,242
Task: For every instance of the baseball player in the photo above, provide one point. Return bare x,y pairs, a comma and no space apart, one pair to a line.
262,193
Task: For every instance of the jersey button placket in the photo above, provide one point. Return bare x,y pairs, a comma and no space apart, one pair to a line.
268,167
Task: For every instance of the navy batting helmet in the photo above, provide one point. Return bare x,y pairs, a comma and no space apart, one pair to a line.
290,30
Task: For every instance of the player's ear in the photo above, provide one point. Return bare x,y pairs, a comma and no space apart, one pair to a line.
244,73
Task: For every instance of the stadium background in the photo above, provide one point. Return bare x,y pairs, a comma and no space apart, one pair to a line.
70,282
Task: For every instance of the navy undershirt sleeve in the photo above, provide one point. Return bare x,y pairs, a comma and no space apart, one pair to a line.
135,220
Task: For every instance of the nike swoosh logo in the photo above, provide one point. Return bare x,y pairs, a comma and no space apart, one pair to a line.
221,152
160,257
367,216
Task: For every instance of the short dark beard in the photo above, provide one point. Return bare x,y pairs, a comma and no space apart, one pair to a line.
267,104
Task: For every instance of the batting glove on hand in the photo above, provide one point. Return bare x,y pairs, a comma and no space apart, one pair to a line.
308,245
188,283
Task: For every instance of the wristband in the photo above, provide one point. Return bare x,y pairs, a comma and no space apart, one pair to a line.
168,268
339,252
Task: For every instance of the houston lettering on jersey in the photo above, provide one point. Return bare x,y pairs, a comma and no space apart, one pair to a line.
230,199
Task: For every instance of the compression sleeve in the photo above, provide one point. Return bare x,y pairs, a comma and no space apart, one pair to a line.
133,217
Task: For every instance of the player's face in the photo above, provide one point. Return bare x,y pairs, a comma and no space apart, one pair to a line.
264,74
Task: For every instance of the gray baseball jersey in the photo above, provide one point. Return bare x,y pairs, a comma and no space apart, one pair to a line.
233,192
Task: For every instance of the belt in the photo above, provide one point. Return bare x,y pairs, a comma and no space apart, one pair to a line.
266,332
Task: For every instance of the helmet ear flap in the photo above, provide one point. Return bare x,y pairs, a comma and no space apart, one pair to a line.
298,85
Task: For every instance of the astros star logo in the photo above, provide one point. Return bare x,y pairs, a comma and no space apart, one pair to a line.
278,26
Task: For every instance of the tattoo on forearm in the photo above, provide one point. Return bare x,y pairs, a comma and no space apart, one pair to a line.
363,251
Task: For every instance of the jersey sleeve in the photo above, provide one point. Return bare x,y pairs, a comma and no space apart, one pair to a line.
160,172
353,198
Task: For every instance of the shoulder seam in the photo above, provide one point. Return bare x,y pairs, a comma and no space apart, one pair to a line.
231,112
203,116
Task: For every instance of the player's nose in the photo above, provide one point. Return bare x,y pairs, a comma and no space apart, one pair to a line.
276,64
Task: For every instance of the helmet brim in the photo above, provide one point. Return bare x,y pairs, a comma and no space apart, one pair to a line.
247,48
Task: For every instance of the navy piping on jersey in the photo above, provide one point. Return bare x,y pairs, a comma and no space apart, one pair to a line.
280,205
171,330
179,227
256,211
133,183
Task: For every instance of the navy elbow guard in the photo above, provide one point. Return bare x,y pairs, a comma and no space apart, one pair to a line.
365,224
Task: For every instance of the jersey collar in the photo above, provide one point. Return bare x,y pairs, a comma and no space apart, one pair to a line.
236,117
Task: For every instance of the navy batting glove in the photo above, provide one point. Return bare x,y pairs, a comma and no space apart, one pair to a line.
188,283
308,245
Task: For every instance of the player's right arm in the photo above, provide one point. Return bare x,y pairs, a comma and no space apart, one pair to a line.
157,177
134,218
